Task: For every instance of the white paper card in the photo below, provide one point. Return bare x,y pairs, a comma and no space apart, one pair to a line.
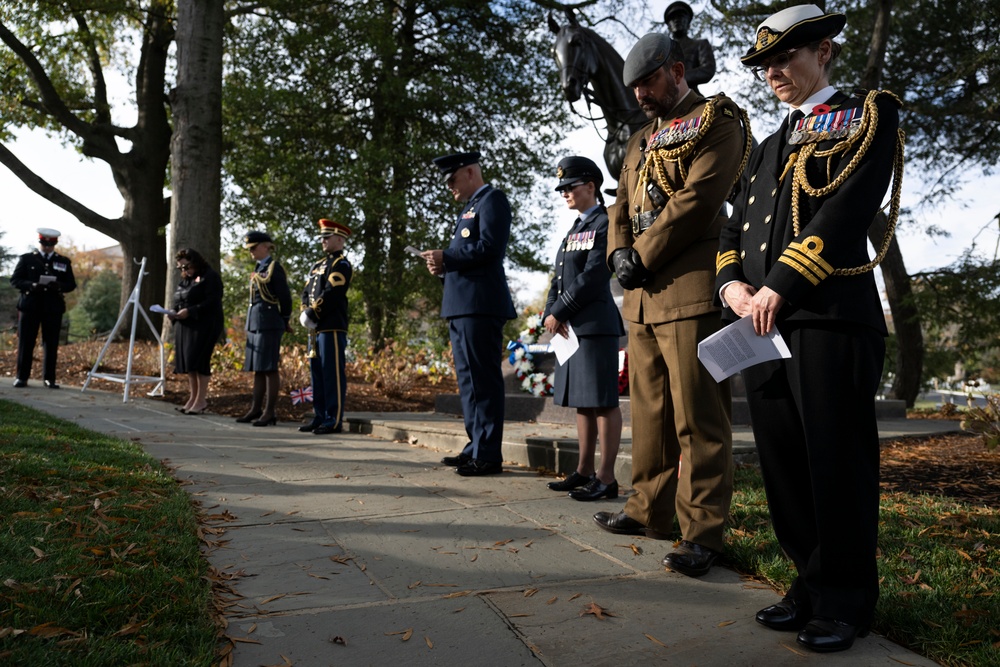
413,251
157,308
735,347
565,348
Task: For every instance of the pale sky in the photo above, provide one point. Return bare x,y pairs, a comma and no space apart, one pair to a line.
90,183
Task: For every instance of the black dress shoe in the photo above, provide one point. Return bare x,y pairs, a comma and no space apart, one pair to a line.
477,468
825,635
456,461
20,383
51,384
253,415
570,482
622,524
308,428
786,615
595,490
323,429
691,559
270,421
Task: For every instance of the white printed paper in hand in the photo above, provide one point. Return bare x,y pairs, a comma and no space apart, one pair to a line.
565,348
736,347
157,308
413,251
46,280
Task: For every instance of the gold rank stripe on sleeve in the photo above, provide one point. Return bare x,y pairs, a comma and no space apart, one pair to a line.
805,258
336,279
724,259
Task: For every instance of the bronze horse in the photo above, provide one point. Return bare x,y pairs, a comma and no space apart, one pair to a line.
592,68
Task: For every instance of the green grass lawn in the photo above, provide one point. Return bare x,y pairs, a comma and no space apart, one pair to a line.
99,552
938,563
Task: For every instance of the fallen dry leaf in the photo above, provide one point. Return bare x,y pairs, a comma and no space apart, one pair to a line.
655,640
430,644
596,610
724,624
531,591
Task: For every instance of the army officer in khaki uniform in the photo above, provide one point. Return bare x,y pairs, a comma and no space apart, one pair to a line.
663,237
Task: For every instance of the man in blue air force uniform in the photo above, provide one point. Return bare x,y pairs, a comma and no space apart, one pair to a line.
476,303
42,277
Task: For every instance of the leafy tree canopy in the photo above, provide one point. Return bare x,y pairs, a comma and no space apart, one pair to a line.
337,111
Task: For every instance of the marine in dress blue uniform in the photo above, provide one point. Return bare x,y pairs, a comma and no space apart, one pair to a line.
266,321
42,277
325,314
794,256
476,302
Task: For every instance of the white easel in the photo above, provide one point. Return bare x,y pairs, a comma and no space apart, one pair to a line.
129,379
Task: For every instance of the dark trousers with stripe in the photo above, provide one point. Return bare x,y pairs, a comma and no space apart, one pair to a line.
28,324
329,378
814,423
476,347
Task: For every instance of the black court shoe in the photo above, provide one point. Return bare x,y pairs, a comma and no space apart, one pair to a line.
573,481
595,490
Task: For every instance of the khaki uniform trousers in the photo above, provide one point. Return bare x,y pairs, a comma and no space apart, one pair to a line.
680,420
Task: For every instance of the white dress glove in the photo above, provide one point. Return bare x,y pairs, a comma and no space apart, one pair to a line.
305,321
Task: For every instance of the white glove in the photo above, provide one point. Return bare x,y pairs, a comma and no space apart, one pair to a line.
305,321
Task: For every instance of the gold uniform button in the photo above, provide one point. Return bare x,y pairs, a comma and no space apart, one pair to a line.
774,192
753,178
746,226
752,198
763,247
767,219
743,254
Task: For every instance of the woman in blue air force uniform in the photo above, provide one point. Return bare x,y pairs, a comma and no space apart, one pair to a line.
580,296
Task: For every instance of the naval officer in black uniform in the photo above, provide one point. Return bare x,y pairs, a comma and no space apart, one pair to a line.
794,256
476,303
325,314
42,277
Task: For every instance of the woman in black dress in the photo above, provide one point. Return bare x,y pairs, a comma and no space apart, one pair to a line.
198,325
267,320
580,296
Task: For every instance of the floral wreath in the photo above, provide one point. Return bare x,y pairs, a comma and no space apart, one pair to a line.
521,357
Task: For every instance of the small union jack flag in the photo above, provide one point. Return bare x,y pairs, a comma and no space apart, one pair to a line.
301,395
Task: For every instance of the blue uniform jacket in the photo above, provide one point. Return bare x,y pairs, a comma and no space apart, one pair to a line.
36,297
474,279
581,290
270,299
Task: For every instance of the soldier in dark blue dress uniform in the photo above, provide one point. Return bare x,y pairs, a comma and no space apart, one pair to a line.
325,314
580,297
42,277
267,320
794,256
476,303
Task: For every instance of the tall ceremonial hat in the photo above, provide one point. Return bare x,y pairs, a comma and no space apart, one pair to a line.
573,170
449,164
648,54
333,228
48,235
677,8
253,238
792,27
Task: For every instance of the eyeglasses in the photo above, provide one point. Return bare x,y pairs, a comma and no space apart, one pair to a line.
183,267
781,61
572,186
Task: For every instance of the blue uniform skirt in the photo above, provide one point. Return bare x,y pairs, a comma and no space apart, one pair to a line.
589,379
263,351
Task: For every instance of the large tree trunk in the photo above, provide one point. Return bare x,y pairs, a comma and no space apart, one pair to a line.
905,318
196,146
898,290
